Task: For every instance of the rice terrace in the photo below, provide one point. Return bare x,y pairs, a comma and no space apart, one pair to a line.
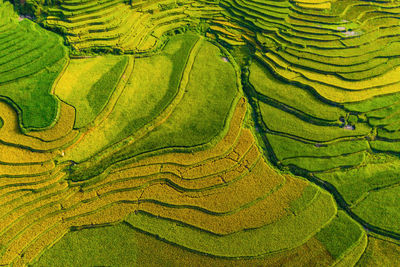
200,133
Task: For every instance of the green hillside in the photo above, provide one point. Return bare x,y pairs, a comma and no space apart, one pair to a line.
199,133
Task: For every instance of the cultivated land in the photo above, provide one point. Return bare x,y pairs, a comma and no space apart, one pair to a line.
200,133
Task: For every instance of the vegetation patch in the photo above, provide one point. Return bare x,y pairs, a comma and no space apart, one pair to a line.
381,208
28,70
107,245
355,183
380,252
88,83
199,133
200,122
151,87
256,241
340,235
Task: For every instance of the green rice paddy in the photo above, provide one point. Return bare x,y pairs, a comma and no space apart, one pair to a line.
199,133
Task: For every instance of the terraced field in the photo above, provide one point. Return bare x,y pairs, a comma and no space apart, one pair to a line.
200,133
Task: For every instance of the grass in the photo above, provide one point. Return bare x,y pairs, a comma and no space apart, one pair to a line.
381,208
285,147
352,257
283,122
312,252
97,96
203,110
108,25
387,135
308,195
377,107
298,98
152,86
105,204
286,233
315,164
385,146
11,135
380,252
152,146
87,84
109,245
340,235
32,73
354,183
62,128
155,92
139,248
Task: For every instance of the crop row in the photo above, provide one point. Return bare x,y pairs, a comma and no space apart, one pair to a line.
25,63
50,212
295,54
114,24
324,87
210,181
199,190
